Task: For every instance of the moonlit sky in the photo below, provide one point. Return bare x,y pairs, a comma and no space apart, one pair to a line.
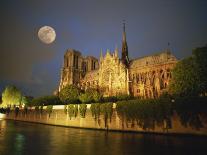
88,26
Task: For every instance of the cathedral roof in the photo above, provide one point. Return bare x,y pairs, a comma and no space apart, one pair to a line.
157,58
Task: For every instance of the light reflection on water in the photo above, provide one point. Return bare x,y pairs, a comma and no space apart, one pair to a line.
20,138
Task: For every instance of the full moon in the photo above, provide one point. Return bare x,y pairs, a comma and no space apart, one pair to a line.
46,34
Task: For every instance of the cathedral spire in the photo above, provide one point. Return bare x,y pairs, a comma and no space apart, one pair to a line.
124,33
124,54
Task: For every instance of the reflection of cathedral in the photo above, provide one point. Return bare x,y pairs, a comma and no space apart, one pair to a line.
146,77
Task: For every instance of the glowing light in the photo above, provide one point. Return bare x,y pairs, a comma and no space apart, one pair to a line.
2,116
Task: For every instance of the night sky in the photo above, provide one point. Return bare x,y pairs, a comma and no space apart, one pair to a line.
88,26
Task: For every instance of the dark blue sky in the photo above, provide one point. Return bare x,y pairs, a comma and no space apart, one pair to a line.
88,26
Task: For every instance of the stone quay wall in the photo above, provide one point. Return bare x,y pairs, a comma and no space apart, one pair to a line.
60,118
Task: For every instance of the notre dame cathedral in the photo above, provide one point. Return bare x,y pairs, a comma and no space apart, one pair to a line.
145,77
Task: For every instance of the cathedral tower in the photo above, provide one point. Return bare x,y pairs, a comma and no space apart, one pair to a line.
124,54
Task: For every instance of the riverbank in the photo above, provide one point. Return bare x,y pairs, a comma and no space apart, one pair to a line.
59,117
19,137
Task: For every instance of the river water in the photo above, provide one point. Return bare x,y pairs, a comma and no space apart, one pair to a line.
20,138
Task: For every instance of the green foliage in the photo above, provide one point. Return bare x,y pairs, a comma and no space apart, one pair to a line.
150,112
90,95
185,80
82,110
107,111
36,109
69,94
27,100
200,58
110,99
11,96
72,110
85,98
146,112
41,109
190,109
97,96
46,100
76,110
95,110
65,109
189,75
49,109
121,97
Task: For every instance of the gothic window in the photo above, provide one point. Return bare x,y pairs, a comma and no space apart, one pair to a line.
74,58
146,93
76,62
137,78
165,85
83,66
86,66
94,65
91,64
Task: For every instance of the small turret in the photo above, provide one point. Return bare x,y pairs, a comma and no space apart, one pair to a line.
101,55
116,52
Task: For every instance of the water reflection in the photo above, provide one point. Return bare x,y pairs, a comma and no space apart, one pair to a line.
27,138
19,143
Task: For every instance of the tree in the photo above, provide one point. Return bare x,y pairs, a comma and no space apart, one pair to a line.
184,78
200,58
97,96
11,96
26,100
69,94
85,98
46,100
189,75
90,95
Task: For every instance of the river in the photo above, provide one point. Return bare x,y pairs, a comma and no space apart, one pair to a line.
21,138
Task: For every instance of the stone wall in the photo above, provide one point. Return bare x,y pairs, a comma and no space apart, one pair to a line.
59,117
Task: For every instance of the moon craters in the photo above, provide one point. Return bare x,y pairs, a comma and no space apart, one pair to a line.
46,34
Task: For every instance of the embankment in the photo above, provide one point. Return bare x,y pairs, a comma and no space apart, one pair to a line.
58,116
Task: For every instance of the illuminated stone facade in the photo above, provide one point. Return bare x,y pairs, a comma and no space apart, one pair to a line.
145,77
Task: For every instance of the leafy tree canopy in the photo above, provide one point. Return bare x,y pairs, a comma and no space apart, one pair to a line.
69,94
26,100
200,58
85,98
11,96
46,100
189,75
90,95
